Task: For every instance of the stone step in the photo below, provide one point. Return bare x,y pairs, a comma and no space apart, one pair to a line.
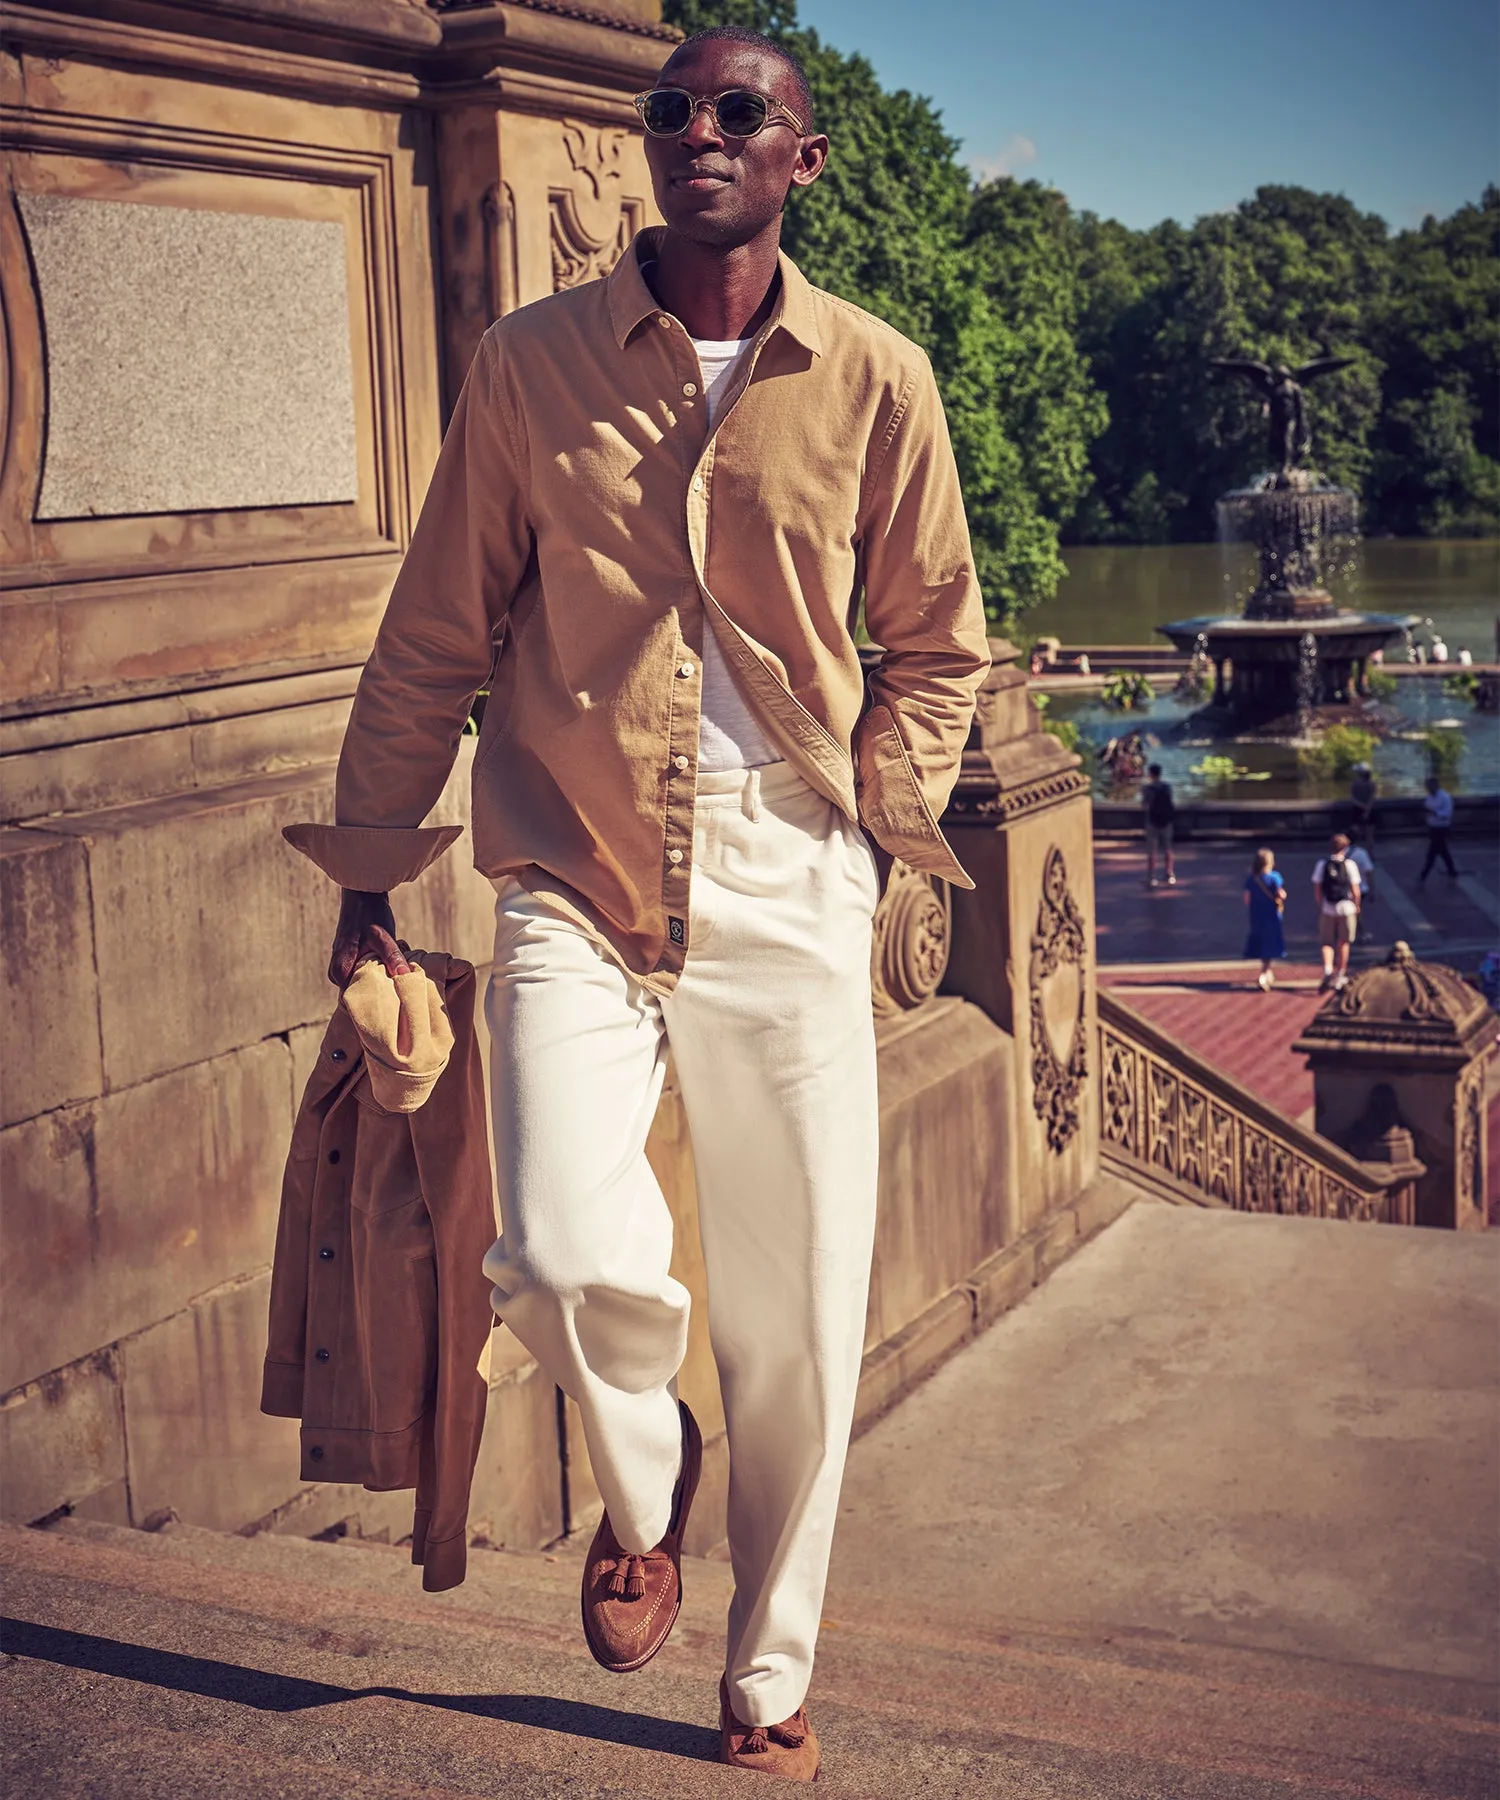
191,1663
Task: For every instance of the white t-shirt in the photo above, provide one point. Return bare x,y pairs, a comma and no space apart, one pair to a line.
1347,907
729,736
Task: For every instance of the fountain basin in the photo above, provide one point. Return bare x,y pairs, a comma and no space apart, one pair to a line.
1256,661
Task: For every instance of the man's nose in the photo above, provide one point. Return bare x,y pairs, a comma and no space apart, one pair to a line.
703,129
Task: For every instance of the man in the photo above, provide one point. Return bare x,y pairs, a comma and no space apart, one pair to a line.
1160,813
1337,890
662,496
1362,792
1437,809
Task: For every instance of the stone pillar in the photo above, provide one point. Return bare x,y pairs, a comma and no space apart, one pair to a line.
1021,822
1403,1048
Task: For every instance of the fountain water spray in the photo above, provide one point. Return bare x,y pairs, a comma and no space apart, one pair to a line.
1307,685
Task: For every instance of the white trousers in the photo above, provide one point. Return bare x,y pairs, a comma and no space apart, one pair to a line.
771,1034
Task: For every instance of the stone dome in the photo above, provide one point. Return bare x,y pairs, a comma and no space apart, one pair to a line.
1418,1010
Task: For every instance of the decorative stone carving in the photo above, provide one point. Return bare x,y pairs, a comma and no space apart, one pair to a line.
1004,806
502,276
197,361
1058,949
913,933
592,219
1188,1125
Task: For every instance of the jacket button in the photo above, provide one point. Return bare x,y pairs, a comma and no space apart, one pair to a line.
322,1355
316,1453
690,388
674,856
325,1254
664,321
333,1156
337,1055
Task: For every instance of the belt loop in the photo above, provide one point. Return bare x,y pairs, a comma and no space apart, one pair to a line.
751,796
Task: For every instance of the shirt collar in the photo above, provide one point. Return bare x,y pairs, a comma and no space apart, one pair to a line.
630,300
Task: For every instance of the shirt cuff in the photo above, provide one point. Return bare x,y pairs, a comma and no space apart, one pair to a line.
372,858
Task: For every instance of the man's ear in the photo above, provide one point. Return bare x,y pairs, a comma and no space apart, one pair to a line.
812,155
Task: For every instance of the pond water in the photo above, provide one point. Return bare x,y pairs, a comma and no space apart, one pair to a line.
1273,771
1119,593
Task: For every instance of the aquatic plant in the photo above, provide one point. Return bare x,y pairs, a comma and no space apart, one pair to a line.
1445,750
1333,754
1462,684
1219,771
1127,690
1382,685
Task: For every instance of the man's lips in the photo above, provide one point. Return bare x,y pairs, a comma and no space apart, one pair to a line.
699,181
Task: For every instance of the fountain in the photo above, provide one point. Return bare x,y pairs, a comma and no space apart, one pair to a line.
1292,649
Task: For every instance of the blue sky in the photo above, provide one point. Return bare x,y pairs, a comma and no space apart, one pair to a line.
1175,108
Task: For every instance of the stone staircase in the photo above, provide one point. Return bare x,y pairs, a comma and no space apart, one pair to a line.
1091,1582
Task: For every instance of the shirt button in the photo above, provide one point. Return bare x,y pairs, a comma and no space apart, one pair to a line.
679,762
674,856
316,1453
322,1355
685,669
697,484
690,388
664,321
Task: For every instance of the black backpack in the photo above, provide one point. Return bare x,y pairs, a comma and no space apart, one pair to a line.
1336,883
1160,809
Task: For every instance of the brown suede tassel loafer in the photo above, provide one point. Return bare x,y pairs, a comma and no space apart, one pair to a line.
789,1749
630,1603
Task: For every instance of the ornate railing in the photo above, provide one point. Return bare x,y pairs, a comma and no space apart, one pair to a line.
1198,1135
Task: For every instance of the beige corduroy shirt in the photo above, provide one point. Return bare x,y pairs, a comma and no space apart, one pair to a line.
584,528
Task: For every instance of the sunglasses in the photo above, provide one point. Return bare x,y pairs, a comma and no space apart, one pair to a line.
738,112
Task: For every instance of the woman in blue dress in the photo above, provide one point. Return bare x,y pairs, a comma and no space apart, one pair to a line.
1265,895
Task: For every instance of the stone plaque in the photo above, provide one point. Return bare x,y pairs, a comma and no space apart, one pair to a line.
196,361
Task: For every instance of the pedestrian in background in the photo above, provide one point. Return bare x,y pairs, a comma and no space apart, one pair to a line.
1265,896
1438,809
1336,887
1362,797
1161,814
1360,856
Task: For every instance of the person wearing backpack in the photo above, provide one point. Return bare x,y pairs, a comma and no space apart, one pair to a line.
1161,813
1339,893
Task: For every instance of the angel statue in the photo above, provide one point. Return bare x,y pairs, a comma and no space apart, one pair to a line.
1281,388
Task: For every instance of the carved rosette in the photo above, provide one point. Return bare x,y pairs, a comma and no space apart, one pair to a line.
592,218
1060,943
912,936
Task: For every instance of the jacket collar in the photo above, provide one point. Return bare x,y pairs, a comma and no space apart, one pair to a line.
630,300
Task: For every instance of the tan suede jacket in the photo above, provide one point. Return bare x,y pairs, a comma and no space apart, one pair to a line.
380,1309
585,525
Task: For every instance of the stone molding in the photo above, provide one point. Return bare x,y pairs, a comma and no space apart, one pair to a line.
979,799
591,220
1415,1012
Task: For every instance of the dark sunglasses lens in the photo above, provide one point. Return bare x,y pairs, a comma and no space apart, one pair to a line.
666,112
741,113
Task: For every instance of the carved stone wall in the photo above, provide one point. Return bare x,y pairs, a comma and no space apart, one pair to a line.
1058,989
593,217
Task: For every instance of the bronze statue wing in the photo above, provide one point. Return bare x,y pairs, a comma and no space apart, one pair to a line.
1322,365
1258,372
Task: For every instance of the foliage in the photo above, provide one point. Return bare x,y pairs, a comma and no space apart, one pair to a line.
1382,685
1127,690
1445,750
1334,753
1064,730
1219,771
1462,684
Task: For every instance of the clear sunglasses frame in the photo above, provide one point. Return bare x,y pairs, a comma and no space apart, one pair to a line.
775,111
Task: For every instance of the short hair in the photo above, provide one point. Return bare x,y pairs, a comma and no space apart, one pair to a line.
1340,842
1154,770
1263,860
757,40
